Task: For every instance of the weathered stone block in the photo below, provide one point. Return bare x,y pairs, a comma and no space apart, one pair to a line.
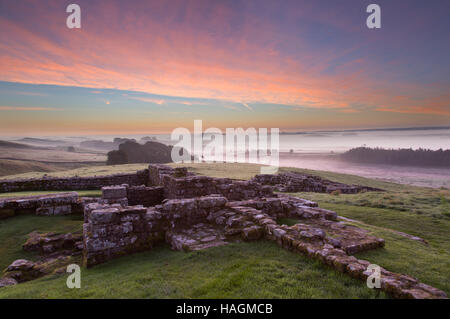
252,233
104,216
114,192
54,210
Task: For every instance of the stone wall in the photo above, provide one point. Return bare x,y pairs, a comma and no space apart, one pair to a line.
145,195
195,185
73,183
52,204
297,182
111,231
156,172
313,242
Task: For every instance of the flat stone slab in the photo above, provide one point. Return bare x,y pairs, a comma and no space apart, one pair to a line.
198,237
33,202
349,238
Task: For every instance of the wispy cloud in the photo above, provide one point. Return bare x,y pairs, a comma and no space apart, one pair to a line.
150,100
247,106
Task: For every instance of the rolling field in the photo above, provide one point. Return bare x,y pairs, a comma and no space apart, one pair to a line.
256,269
21,158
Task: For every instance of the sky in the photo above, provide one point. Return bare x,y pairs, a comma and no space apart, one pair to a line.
151,66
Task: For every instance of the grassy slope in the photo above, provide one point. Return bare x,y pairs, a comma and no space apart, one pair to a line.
22,158
261,269
19,167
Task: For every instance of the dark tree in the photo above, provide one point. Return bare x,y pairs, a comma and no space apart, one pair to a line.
150,152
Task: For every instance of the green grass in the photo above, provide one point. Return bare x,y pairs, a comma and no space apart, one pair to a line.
14,231
18,166
259,269
417,201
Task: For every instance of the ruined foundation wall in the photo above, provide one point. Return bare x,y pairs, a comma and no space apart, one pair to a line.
146,196
297,182
53,204
195,185
111,231
73,183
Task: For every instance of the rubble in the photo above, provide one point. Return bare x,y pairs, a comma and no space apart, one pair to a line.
23,270
55,244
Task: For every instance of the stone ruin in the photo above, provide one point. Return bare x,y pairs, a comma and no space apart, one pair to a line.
72,183
293,182
54,204
191,212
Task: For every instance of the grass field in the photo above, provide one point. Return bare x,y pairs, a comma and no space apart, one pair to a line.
82,171
23,159
50,155
258,269
19,166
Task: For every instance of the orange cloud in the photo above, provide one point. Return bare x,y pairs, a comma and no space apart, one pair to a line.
191,62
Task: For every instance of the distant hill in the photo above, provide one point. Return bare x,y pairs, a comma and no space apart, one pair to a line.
14,145
105,146
132,152
99,145
41,141
404,157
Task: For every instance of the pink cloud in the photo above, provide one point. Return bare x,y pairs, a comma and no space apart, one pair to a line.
161,57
